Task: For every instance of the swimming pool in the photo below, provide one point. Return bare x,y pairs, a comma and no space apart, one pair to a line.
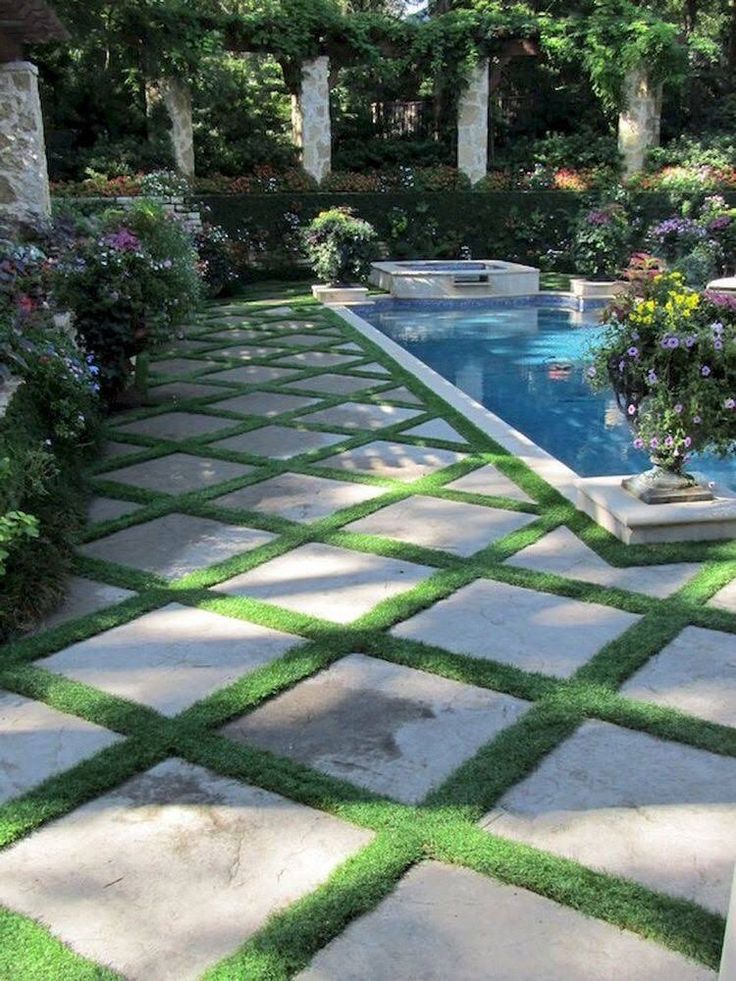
525,361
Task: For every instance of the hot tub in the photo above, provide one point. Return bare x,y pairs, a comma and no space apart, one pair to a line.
420,279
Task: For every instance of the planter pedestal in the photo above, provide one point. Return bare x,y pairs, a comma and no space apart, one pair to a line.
657,486
341,296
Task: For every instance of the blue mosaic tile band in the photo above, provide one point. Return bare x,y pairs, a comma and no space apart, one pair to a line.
565,301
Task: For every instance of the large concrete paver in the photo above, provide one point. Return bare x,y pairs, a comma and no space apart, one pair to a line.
392,729
695,673
327,582
252,374
490,481
83,596
178,391
176,544
529,630
38,742
564,554
279,442
165,875
435,523
177,425
331,384
180,366
265,403
316,359
663,814
725,599
358,415
397,460
444,923
107,508
436,429
172,657
178,473
300,497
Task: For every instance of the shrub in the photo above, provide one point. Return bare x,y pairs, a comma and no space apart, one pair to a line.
340,246
217,258
128,285
602,240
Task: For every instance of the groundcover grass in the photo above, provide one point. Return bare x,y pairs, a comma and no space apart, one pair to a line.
444,826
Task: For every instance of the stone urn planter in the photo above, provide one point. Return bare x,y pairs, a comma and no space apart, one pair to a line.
341,295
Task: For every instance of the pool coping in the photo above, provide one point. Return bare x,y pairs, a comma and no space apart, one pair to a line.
601,498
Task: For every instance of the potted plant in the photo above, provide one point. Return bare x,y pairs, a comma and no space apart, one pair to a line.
600,249
670,354
341,247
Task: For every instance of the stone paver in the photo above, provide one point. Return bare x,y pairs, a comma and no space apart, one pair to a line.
235,335
329,384
402,394
298,340
316,359
180,366
695,673
375,368
172,657
38,742
443,922
279,442
193,345
447,525
299,497
436,429
170,872
725,599
265,403
106,508
113,448
389,728
396,460
178,391
176,544
532,631
564,554
669,821
178,473
327,582
252,374
488,480
177,425
83,596
358,415
246,352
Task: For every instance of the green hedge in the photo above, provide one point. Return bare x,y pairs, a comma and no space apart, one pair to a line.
526,226
49,486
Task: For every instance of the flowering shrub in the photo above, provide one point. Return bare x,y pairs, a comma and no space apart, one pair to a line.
128,285
602,238
675,237
670,354
164,184
685,180
216,259
340,246
700,246
542,178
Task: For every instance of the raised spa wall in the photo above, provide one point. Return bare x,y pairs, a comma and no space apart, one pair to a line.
482,277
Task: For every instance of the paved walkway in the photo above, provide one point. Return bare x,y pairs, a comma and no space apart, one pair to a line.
340,691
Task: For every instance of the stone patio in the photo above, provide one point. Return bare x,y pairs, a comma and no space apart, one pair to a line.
285,732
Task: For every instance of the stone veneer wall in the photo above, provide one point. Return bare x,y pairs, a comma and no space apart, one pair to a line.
24,182
188,214
310,117
639,122
472,124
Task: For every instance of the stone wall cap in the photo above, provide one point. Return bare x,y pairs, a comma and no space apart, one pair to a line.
25,67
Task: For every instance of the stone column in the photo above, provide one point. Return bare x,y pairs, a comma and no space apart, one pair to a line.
639,120
310,117
24,180
472,125
177,98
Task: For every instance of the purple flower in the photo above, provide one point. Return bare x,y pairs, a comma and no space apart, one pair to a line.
697,420
633,352
654,442
688,441
722,221
673,342
639,443
690,340
678,408
652,376
123,240
730,403
599,217
631,410
726,301
717,327
591,372
718,344
705,371
669,441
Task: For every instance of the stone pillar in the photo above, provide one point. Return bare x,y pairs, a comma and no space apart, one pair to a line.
177,98
639,120
472,125
310,117
24,180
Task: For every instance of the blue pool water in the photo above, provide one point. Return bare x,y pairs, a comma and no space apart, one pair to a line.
526,363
